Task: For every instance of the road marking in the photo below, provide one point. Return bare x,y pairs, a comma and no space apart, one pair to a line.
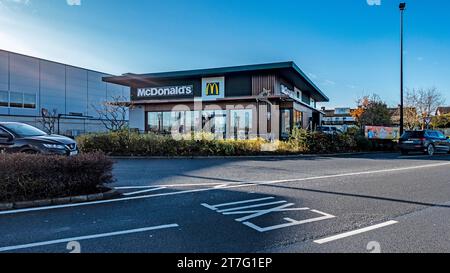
252,214
251,206
143,191
215,207
355,232
292,222
238,185
173,185
89,237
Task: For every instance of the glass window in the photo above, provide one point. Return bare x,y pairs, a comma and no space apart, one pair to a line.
440,135
4,99
241,123
192,121
167,119
154,121
29,101
215,122
298,119
24,130
285,123
16,100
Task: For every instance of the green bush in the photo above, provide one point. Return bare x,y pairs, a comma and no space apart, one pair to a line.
27,177
126,143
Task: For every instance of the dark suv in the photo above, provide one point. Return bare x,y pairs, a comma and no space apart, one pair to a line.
23,138
427,141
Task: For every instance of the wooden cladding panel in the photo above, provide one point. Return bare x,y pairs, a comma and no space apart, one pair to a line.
259,83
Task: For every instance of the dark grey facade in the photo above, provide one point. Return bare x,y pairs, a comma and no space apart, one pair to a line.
29,84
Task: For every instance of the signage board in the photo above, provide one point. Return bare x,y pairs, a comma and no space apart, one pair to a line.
213,88
384,133
164,92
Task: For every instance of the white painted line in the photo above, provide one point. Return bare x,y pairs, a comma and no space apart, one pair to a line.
170,185
239,185
81,238
241,202
143,191
251,206
291,222
355,232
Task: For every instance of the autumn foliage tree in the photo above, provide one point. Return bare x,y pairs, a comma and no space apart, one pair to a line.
372,111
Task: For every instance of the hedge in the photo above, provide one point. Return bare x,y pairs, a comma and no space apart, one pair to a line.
126,143
25,177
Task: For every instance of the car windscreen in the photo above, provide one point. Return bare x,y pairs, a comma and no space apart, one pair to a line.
440,135
24,130
413,134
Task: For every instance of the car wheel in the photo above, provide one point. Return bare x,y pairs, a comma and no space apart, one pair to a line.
430,150
404,152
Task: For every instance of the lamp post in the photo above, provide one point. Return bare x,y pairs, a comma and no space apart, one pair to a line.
402,126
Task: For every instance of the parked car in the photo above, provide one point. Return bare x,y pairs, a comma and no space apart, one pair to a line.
331,130
426,141
22,138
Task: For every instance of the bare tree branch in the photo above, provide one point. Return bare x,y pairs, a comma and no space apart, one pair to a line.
426,101
48,120
113,113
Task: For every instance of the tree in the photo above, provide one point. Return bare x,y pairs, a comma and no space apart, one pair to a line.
48,120
411,118
113,113
426,101
372,111
441,122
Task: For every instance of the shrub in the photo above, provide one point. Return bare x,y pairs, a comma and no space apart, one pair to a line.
32,177
301,141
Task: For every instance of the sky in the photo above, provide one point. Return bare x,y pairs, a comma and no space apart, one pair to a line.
349,48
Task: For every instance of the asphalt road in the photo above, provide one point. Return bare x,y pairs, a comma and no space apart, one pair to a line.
365,203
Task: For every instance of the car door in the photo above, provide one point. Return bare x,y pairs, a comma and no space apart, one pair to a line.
6,141
444,144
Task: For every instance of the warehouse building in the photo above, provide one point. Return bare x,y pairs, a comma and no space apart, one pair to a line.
241,102
28,85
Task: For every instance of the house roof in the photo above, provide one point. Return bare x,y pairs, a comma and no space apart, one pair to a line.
443,110
288,70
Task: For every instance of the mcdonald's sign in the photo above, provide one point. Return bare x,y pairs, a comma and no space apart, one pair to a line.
213,89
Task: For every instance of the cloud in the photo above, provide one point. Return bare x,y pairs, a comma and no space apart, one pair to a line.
74,2
328,82
374,2
27,2
312,76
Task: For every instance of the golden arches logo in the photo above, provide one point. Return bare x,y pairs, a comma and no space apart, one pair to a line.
213,89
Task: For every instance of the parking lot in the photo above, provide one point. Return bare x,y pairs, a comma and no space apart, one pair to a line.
363,203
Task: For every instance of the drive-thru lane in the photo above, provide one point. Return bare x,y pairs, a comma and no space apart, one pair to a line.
346,207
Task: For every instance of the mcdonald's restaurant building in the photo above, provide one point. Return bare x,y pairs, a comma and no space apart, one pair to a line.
241,102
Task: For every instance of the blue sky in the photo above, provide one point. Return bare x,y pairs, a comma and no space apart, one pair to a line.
348,47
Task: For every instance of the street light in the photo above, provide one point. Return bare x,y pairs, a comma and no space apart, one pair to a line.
402,126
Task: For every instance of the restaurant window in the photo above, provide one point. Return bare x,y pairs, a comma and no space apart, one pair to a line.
241,123
4,99
16,100
215,122
154,122
192,121
285,123
298,119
